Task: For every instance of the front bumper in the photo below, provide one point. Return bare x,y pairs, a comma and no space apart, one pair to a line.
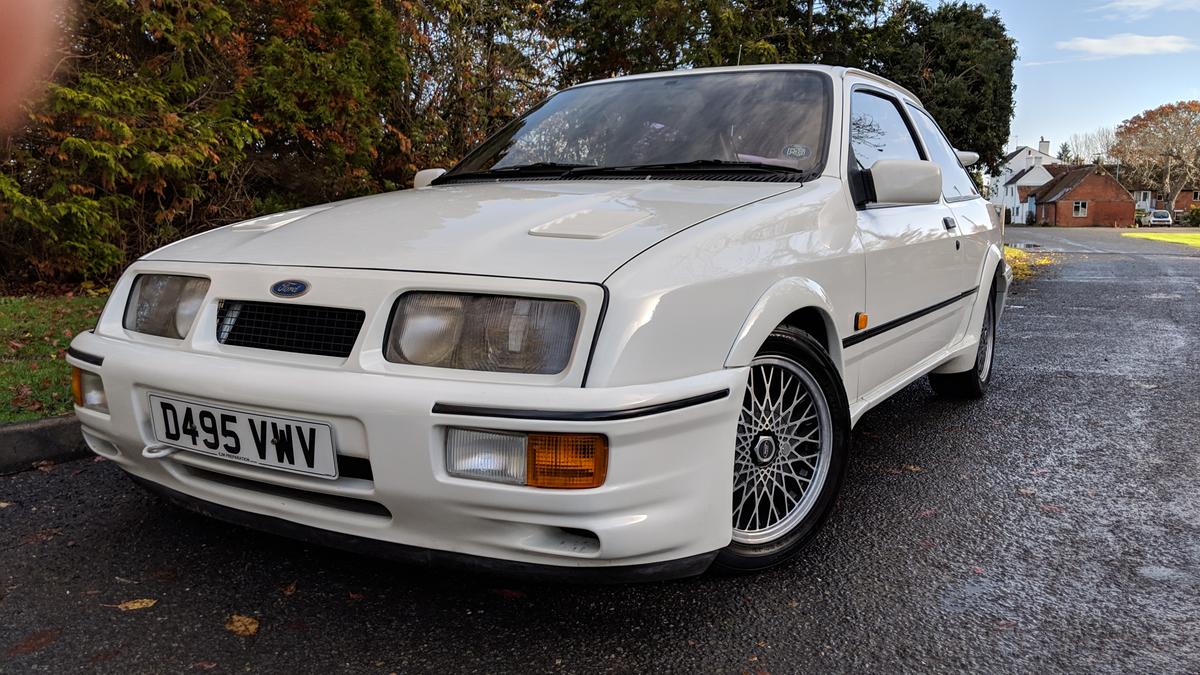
666,497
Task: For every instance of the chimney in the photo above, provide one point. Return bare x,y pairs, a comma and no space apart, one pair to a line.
1044,146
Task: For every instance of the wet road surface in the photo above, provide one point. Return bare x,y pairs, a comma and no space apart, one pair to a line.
1053,526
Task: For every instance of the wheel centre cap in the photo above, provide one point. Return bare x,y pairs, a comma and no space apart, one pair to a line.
766,448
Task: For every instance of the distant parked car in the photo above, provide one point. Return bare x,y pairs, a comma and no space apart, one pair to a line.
1159,217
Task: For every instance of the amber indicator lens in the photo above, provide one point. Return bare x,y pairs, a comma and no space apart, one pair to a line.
860,321
77,386
567,460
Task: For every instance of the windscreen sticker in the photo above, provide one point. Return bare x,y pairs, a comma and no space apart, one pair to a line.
797,152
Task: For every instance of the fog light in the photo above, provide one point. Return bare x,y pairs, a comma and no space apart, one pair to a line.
567,460
493,456
88,390
563,461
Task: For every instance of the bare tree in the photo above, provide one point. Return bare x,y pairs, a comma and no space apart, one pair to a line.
1092,146
1161,147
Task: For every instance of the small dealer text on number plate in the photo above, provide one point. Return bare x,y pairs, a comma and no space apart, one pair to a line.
287,444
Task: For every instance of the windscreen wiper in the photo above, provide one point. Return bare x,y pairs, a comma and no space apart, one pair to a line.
535,168
699,165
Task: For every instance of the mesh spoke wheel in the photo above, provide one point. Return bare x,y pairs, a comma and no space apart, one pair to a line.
783,453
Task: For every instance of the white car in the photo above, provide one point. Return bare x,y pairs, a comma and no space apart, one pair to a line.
1159,217
625,338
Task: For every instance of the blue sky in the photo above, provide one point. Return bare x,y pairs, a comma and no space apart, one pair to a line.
1085,65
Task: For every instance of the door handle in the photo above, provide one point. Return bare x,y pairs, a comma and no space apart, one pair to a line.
949,223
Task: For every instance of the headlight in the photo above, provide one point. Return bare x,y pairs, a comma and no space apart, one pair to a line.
483,332
164,304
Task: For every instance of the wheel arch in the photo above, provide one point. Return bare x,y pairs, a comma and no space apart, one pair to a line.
993,286
797,302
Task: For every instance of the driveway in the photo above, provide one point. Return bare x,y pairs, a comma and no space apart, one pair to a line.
1053,526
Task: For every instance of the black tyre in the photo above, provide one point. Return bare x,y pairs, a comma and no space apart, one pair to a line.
974,382
793,438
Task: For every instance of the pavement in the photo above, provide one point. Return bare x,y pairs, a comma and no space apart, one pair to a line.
1052,527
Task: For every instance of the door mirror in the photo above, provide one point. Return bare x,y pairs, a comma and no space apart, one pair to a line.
966,157
426,176
905,181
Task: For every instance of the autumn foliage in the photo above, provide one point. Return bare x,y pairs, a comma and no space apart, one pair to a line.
167,117
1160,148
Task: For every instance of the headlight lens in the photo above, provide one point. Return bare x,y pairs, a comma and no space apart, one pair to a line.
496,333
164,304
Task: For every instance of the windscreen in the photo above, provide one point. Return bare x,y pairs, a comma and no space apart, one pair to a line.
776,118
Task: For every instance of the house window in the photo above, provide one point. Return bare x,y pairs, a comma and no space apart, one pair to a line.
1196,195
1079,209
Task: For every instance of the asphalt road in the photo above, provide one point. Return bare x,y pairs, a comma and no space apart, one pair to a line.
1053,526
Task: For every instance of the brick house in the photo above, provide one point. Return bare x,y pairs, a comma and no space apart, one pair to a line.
1086,196
1147,199
1188,198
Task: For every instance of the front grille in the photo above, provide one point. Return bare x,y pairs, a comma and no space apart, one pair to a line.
304,329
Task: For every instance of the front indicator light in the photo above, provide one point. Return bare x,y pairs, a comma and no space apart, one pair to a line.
544,460
567,460
88,390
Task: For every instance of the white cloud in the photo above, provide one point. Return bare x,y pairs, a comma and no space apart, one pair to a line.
1127,44
1140,9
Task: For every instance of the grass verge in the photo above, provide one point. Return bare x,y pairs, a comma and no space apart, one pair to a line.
1024,263
35,331
1185,238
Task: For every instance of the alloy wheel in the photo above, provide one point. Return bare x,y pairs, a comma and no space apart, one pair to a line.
783,452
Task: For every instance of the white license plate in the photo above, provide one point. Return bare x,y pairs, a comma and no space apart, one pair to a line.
287,444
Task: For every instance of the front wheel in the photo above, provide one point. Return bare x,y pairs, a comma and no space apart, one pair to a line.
793,437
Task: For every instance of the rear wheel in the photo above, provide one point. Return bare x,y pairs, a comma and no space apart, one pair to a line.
972,383
793,436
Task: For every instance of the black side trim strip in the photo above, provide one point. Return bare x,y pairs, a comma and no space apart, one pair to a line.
896,323
577,416
85,357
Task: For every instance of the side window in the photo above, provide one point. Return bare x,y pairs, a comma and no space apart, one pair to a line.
878,130
956,183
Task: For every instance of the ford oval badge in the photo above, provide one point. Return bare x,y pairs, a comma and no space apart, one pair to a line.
289,288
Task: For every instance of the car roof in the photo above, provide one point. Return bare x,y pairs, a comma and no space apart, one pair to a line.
838,72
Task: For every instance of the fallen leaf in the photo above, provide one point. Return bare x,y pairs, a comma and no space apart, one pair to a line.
928,513
977,569
356,596
41,536
913,468
1027,491
1005,624
131,605
125,580
1051,508
5,505
244,626
45,466
34,642
204,665
288,589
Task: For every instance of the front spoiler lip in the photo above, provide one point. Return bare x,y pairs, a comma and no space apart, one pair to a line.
414,555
